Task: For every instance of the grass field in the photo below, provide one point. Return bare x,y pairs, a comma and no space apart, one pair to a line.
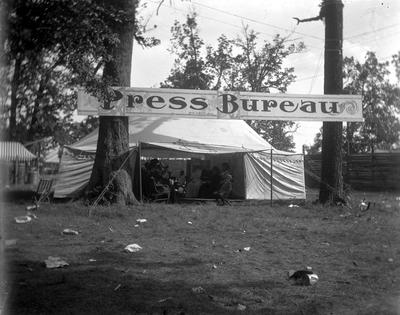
193,262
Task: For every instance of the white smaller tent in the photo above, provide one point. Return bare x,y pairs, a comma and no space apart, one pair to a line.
15,151
212,140
15,163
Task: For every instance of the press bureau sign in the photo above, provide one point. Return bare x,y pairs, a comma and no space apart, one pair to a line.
222,104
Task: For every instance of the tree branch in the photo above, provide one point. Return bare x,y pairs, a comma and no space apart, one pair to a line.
316,18
320,16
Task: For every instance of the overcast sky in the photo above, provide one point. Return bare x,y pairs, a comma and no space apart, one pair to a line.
369,25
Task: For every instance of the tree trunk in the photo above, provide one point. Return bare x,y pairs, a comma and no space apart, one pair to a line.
331,188
12,131
113,139
36,110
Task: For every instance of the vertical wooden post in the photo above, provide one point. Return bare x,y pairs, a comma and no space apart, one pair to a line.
16,174
140,171
331,187
272,178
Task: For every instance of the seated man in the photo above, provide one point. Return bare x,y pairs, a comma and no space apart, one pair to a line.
181,180
225,188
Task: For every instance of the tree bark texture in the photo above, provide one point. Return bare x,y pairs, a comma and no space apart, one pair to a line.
12,134
113,139
331,188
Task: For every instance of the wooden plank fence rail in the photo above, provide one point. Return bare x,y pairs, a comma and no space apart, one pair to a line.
373,172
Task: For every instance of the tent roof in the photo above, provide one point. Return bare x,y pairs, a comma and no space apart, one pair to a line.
12,151
188,134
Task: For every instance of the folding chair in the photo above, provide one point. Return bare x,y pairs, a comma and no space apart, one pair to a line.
43,190
160,193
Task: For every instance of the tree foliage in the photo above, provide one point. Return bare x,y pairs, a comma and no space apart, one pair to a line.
239,64
49,48
190,69
381,105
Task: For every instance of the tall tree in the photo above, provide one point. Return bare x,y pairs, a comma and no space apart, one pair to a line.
189,70
331,186
261,70
48,48
53,46
235,64
113,139
381,105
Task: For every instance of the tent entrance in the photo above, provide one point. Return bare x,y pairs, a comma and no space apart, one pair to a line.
201,170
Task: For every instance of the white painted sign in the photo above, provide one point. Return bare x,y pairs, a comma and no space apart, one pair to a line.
223,105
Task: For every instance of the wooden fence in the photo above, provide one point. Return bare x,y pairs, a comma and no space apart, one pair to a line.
374,172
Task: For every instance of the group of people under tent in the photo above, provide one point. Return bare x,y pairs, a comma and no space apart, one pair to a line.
204,184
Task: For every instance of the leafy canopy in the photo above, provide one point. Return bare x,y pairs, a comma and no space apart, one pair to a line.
49,48
381,105
240,64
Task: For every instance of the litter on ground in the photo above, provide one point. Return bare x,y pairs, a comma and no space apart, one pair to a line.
55,262
70,232
164,300
132,248
198,290
32,215
141,220
10,242
302,277
23,219
32,207
364,205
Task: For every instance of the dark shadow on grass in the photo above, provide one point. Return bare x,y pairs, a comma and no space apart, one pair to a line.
17,196
97,290
103,289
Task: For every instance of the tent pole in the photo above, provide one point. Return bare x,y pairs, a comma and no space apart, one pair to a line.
16,171
140,171
271,186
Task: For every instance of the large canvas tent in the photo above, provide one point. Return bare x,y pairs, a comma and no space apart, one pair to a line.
199,142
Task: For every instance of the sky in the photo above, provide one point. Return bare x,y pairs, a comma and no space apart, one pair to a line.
368,25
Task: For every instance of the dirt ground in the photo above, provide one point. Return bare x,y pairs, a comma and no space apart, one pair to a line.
193,259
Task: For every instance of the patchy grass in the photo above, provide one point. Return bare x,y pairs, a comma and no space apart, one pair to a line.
355,254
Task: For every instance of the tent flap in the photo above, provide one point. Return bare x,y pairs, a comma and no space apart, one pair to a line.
287,172
73,175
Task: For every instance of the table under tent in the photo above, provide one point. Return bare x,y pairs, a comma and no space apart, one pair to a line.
191,145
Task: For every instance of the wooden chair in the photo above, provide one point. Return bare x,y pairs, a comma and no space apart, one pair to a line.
160,193
43,190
